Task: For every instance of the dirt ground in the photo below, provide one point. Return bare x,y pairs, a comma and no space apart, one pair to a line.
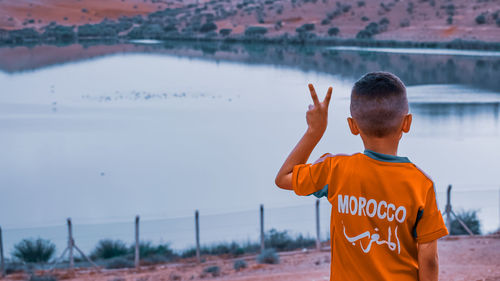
461,258
436,20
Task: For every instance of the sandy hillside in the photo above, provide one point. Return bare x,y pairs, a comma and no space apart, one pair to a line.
415,20
461,258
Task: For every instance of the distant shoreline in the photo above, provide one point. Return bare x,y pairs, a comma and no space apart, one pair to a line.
457,44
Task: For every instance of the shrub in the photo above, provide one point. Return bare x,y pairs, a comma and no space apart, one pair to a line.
409,9
268,256
225,31
207,27
255,30
214,270
146,249
305,27
470,219
333,31
498,22
370,30
384,21
239,264
31,250
59,33
404,23
282,241
147,31
43,278
481,19
365,18
23,36
108,248
118,262
361,3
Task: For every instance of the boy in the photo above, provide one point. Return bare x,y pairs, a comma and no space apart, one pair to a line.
385,222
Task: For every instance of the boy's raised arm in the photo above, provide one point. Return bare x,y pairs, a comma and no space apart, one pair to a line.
317,119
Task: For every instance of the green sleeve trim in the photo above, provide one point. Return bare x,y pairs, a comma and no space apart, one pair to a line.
322,192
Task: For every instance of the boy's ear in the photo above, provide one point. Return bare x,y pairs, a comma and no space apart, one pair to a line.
407,123
353,126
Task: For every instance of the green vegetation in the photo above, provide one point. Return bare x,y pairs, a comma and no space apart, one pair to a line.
333,31
118,262
305,28
232,249
370,30
282,241
214,270
481,19
207,27
34,250
268,256
107,249
239,264
42,278
255,31
147,249
59,33
470,219
225,31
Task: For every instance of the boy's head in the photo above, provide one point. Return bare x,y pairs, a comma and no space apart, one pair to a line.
379,106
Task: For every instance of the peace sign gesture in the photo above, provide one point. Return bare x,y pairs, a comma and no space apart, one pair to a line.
317,115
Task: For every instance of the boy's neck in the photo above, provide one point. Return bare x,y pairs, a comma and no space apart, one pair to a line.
387,145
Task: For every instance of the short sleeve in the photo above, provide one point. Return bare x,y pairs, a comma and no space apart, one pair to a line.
310,178
430,225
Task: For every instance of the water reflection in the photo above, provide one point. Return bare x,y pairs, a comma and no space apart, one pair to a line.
459,109
414,69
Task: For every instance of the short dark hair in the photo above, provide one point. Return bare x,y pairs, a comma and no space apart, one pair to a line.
379,103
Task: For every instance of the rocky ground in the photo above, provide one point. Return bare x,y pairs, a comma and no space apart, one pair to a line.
461,258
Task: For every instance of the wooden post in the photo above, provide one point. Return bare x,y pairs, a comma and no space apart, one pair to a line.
2,264
71,242
318,241
448,208
262,238
136,260
197,229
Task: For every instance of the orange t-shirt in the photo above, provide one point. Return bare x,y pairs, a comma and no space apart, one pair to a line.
382,206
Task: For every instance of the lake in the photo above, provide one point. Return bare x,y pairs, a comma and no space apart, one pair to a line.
101,133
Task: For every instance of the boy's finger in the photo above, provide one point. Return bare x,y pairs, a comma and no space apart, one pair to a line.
314,96
328,96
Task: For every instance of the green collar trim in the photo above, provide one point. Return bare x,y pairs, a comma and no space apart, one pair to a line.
386,157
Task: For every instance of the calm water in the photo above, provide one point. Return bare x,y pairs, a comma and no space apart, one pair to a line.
163,130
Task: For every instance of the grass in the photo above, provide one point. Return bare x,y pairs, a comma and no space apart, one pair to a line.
108,248
470,219
34,250
239,264
268,256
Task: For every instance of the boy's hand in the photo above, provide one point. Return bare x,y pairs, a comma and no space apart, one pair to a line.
317,118
317,115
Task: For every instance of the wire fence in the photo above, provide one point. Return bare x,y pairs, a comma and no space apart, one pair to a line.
241,227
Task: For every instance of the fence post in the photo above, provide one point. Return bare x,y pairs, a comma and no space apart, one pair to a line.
197,229
71,243
2,264
136,260
262,240
448,208
318,241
